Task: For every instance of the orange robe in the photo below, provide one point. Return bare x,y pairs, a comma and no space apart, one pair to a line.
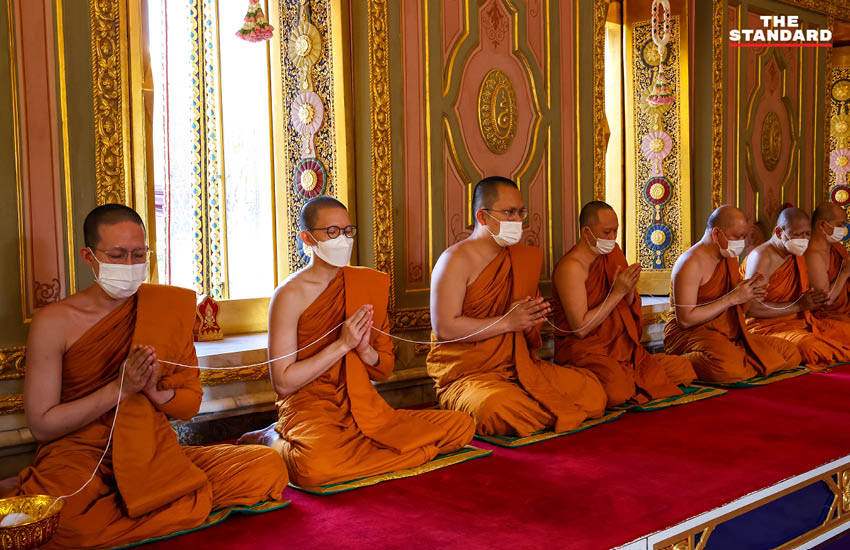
612,351
337,427
840,309
819,340
723,350
148,485
506,388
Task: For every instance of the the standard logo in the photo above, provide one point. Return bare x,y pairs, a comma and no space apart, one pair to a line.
781,30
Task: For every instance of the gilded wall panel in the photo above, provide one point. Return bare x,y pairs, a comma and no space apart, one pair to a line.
837,182
473,88
658,139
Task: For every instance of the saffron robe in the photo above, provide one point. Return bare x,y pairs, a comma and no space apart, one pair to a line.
337,427
840,309
819,339
499,381
723,349
148,485
612,351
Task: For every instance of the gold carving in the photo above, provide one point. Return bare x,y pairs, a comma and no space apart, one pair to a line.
108,96
718,51
684,544
600,143
411,319
834,8
771,141
305,48
844,485
379,111
497,111
841,91
218,377
12,362
12,404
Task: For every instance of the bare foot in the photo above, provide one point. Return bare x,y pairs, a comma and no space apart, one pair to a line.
8,486
266,436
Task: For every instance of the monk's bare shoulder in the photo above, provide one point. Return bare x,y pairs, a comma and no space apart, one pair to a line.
294,294
457,258
570,268
763,259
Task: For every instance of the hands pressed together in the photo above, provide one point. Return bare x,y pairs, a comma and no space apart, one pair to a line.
141,371
528,313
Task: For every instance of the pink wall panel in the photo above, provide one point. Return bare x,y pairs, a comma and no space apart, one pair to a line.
415,192
569,182
40,172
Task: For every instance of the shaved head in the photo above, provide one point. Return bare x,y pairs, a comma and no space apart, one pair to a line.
828,212
310,210
487,191
791,216
589,214
107,214
725,217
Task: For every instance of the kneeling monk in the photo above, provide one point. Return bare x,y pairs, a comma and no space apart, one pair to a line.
709,301
597,315
333,425
789,303
148,485
827,261
493,375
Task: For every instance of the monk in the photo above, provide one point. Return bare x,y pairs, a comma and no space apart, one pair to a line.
101,346
598,322
333,426
709,302
827,261
484,291
788,305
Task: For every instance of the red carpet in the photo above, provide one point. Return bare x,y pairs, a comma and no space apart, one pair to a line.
596,489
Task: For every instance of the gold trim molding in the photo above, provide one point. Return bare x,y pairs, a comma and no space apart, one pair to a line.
834,8
717,142
12,404
600,144
411,319
108,92
379,118
12,363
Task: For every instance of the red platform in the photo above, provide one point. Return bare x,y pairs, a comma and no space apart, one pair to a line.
601,488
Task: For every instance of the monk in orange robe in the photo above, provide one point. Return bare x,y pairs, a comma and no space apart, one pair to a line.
709,301
148,485
598,322
484,291
827,261
787,308
333,425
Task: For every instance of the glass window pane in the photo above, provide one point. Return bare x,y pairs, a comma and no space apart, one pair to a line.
247,141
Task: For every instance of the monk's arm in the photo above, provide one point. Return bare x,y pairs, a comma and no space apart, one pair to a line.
47,418
686,282
448,289
383,345
570,281
179,393
818,266
287,374
759,261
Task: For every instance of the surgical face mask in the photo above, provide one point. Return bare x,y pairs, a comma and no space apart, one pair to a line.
733,248
603,246
336,252
838,233
120,281
509,232
796,246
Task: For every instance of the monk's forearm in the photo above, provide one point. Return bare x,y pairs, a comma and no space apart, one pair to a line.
462,326
596,316
688,317
290,378
178,403
64,418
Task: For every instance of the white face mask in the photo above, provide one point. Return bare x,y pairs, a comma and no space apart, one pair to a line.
509,232
603,246
796,246
838,233
336,252
733,248
120,281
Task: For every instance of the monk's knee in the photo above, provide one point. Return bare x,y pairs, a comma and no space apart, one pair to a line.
617,392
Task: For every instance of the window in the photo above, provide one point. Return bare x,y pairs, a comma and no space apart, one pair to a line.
211,145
